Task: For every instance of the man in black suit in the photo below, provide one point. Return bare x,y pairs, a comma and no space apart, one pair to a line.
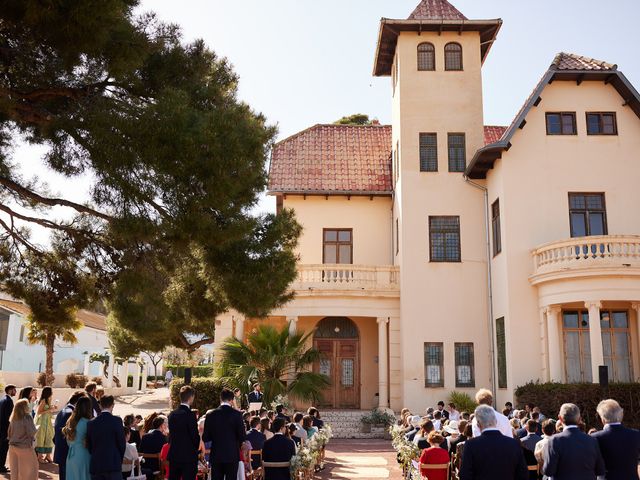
278,449
153,441
619,446
224,428
313,412
257,439
6,408
90,388
281,412
443,412
572,454
529,442
256,395
105,442
185,439
60,442
492,455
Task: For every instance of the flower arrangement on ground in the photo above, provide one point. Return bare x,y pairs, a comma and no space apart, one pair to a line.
311,455
407,451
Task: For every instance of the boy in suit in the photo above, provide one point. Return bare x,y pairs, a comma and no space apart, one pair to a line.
105,442
278,448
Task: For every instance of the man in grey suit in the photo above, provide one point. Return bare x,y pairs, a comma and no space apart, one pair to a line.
529,442
572,454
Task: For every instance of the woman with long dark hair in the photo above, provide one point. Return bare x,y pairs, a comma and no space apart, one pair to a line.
75,431
44,437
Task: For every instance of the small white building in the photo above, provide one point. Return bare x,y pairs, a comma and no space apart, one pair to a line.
21,360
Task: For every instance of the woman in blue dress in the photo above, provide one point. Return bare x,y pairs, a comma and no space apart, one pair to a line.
75,431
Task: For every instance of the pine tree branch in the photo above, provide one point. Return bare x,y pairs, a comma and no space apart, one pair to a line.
194,346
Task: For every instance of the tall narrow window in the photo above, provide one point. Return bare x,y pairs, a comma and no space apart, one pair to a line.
426,57
433,365
495,228
561,123
602,124
457,152
453,56
465,376
4,330
397,237
577,349
337,246
428,152
501,344
616,345
587,214
444,239
22,334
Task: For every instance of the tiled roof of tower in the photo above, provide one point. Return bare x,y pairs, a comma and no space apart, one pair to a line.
493,133
435,10
333,159
570,61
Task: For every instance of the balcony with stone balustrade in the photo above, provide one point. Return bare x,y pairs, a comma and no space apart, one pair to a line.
347,279
606,255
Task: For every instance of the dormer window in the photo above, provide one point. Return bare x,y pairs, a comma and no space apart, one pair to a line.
453,56
426,57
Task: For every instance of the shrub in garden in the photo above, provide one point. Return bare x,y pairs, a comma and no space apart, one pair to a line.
207,393
550,396
462,401
202,371
42,379
76,380
97,380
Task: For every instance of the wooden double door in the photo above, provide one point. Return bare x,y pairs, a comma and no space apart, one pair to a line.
340,362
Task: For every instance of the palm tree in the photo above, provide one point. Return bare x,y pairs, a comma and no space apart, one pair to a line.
47,333
280,362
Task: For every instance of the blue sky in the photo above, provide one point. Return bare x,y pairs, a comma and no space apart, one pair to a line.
303,62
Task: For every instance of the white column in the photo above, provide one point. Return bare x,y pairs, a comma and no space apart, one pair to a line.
125,374
595,338
110,370
239,328
136,376
544,347
293,325
145,371
87,365
383,365
636,307
553,332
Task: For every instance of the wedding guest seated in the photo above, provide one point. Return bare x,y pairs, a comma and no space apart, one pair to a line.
257,439
153,441
281,412
130,459
315,415
307,424
434,455
130,421
265,428
278,450
290,432
420,439
300,432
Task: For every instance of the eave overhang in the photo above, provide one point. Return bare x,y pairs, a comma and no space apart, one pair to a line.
390,30
484,158
331,193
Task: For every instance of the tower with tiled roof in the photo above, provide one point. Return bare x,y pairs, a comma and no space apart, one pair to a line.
434,58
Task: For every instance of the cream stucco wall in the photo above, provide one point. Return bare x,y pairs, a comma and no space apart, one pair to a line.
440,302
533,180
369,217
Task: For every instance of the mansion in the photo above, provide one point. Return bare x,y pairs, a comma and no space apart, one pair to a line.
440,254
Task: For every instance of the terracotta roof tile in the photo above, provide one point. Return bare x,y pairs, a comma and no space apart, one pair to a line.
436,10
333,158
570,61
89,319
493,133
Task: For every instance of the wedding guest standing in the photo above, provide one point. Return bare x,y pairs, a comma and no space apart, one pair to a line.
44,437
185,439
6,408
22,436
105,442
90,388
78,458
61,448
278,450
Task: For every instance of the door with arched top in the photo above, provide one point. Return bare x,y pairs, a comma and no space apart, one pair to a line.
338,341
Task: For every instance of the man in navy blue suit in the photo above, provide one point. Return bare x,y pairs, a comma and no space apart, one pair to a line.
153,441
6,408
185,439
492,455
572,454
105,442
224,428
60,442
278,449
620,446
257,439
256,395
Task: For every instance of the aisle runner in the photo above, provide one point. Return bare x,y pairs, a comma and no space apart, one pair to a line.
348,466
360,460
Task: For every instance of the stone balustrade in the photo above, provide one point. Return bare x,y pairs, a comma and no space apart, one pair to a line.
347,277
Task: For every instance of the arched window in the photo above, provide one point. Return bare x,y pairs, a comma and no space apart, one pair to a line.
336,327
426,57
453,56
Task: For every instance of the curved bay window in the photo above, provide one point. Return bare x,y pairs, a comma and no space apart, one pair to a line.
453,56
426,57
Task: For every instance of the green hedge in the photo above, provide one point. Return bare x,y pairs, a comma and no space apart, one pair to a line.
207,393
550,396
200,371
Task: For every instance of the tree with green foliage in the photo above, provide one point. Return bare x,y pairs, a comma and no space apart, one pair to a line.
280,362
355,119
175,162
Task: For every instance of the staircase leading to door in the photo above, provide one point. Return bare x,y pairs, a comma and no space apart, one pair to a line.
346,424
